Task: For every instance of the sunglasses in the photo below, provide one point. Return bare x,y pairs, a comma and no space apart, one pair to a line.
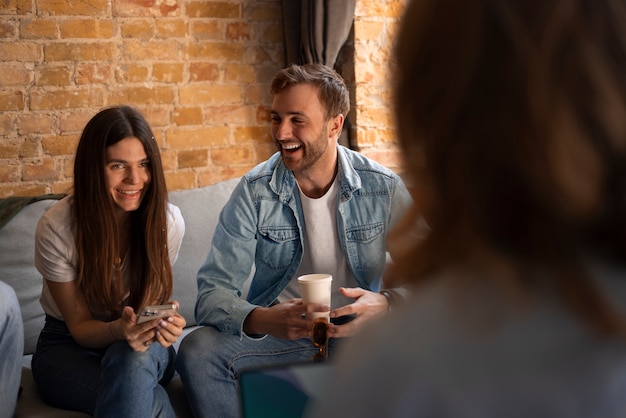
319,336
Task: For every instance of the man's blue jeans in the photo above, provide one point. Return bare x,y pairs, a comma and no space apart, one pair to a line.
112,382
209,362
11,349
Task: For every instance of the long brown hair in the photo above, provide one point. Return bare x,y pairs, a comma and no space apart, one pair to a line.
512,123
96,230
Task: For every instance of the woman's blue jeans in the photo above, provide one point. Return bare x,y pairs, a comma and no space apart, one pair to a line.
112,382
209,362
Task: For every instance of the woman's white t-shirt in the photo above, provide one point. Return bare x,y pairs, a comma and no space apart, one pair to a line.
55,250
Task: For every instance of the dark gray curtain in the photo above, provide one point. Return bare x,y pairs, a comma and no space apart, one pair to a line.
314,32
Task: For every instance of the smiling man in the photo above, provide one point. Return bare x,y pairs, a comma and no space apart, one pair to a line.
313,207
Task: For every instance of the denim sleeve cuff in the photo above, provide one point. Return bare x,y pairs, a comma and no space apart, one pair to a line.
242,334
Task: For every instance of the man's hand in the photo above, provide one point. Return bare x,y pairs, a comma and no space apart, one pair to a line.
283,320
366,305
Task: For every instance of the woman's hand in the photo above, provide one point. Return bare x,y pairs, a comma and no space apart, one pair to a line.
169,329
140,336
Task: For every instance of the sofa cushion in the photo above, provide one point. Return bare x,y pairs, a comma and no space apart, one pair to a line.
17,252
200,208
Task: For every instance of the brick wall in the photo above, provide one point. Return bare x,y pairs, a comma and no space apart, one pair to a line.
198,70
375,25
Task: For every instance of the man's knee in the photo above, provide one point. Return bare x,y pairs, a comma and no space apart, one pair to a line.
199,344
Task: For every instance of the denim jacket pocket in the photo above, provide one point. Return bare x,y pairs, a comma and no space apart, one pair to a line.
365,233
366,245
276,246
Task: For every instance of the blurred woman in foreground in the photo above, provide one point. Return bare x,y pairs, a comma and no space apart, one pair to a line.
512,123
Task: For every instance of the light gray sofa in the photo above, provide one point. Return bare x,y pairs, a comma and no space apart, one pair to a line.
200,208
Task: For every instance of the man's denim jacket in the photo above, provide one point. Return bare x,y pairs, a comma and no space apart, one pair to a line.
262,226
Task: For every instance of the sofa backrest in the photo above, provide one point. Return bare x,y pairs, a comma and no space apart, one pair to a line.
200,208
17,268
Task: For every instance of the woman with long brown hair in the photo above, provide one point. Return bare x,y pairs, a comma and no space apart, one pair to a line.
512,123
105,252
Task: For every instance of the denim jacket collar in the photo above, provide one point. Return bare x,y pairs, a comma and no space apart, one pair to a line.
283,180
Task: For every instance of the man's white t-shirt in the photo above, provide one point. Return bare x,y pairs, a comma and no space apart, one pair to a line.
322,250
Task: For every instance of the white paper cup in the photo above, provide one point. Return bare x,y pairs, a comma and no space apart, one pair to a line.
315,288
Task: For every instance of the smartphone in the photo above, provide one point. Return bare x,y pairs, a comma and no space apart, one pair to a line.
148,313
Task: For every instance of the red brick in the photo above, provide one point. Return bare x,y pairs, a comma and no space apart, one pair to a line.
39,29
7,123
14,75
86,28
53,75
209,94
141,96
39,170
75,120
8,29
68,51
157,116
203,71
257,94
260,134
168,160
20,51
29,147
134,50
72,8
272,32
59,145
171,28
64,99
20,7
23,189
168,73
192,158
207,29
262,12
235,114
10,149
243,73
187,116
62,187
233,155
35,123
214,9
93,73
180,180
143,8
10,173
11,100
215,51
237,31
138,28
132,73
187,138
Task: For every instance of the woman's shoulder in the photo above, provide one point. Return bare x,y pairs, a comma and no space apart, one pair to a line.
173,212
55,229
175,217
59,213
